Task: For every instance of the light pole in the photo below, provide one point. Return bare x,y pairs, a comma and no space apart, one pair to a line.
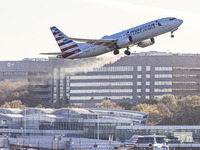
98,128
25,122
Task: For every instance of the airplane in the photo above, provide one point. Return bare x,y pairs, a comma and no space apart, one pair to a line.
142,36
133,141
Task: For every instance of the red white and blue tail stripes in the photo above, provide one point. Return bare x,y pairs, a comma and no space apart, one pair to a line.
66,46
132,142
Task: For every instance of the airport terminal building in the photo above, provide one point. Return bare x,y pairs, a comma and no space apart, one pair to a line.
131,78
101,124
69,122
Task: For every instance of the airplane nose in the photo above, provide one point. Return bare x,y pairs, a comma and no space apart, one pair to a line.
179,21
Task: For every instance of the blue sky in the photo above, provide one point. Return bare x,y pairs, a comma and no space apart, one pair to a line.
25,23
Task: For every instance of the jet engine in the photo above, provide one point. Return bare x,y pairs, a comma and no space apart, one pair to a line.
124,41
146,43
150,145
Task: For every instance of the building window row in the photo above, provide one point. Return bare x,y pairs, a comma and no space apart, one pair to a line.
186,68
185,83
186,76
103,91
163,90
99,97
113,69
163,75
16,80
101,84
163,83
16,73
186,90
163,68
102,77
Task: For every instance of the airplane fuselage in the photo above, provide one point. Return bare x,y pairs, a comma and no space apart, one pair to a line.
142,36
138,34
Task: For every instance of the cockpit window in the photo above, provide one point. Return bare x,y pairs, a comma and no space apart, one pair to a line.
172,19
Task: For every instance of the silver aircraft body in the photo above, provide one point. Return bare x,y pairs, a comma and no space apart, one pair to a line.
141,36
133,141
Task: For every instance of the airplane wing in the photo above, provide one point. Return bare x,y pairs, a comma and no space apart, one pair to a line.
102,42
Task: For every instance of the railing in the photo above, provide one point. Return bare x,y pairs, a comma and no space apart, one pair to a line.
41,131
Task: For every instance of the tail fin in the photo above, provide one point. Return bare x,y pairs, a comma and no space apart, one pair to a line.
64,43
132,141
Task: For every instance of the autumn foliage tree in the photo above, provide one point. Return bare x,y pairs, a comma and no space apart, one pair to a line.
156,112
172,110
10,91
13,104
107,104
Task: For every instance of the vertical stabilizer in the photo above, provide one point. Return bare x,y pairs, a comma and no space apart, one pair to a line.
66,46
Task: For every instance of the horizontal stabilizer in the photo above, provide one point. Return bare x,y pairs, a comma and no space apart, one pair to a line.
56,53
92,40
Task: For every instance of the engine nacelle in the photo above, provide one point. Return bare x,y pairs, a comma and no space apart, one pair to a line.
150,145
146,43
124,41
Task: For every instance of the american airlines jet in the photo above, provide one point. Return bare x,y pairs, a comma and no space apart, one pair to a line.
133,142
141,36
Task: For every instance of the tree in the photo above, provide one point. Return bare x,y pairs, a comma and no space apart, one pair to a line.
13,104
157,113
17,91
188,110
151,101
10,90
170,101
172,110
126,105
107,104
